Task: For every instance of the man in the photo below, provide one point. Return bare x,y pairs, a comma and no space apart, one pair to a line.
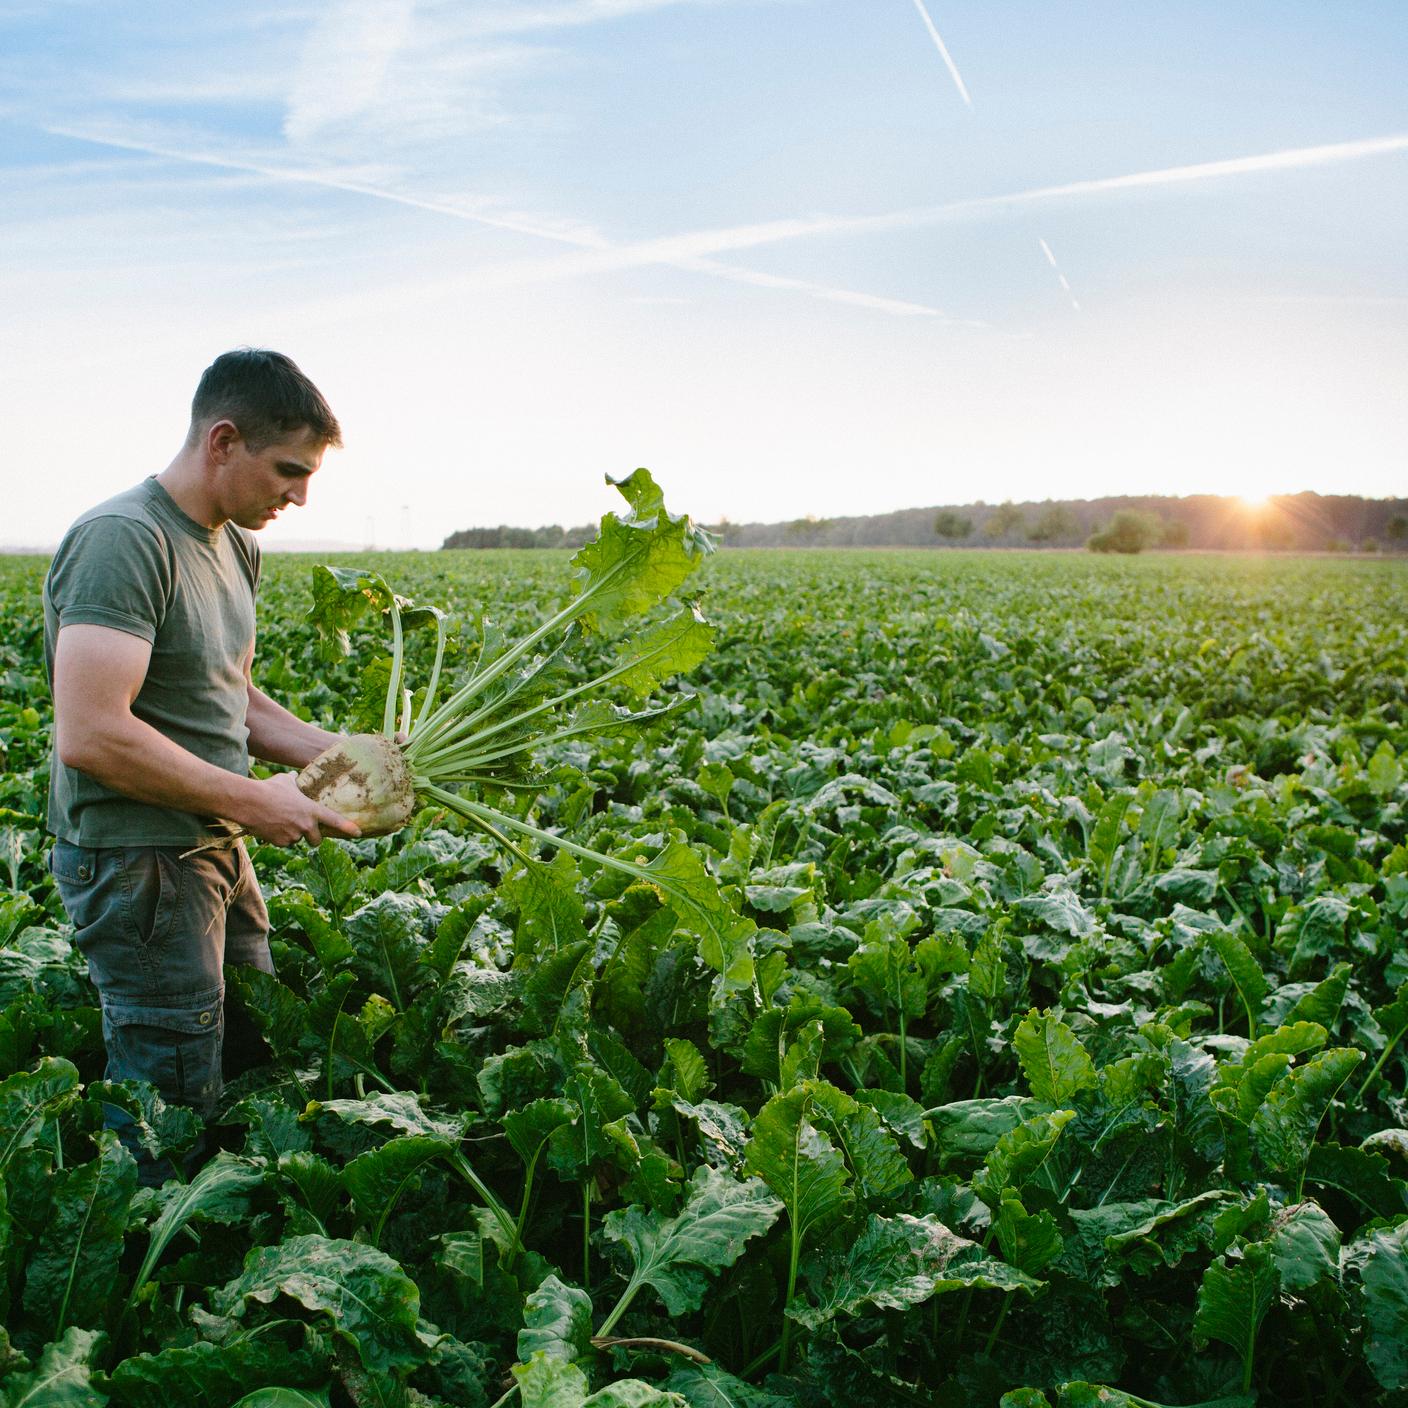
149,643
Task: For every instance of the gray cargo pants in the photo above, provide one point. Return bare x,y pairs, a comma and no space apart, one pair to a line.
157,931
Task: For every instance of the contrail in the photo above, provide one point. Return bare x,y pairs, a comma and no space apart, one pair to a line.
943,52
677,249
1065,284
691,250
595,254
963,93
1294,158
333,183
914,217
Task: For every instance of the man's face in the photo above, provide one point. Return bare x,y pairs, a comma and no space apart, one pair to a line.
257,487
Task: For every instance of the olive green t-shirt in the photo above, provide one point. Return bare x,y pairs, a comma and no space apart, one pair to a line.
138,564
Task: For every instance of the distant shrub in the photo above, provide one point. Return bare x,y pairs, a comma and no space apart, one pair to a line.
1174,534
1369,545
1056,521
1336,545
1004,519
949,524
1127,531
808,531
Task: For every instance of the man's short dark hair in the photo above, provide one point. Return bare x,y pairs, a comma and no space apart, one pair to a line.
265,396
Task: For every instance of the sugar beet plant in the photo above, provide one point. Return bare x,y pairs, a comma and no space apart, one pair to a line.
521,697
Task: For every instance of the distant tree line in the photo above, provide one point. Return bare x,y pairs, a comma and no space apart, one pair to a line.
504,536
1304,522
1288,522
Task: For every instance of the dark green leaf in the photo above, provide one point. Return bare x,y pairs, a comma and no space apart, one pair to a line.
1283,1128
579,1147
1236,1293
1055,1063
284,1398
798,1162
529,1128
551,911
1019,1155
725,939
1385,1277
1247,976
377,1179
63,1377
897,1263
546,1382
389,937
370,1301
709,1386
74,1267
1305,1246
399,1110
1030,1242
557,1322
29,1098
775,1030
968,1130
219,1192
205,1375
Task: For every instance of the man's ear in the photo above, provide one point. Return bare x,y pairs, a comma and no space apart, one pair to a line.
220,439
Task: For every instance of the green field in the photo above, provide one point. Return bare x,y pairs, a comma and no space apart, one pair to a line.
1068,1050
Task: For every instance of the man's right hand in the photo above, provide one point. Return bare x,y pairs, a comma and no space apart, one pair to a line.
279,813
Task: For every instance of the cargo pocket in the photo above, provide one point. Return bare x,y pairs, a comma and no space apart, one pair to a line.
84,883
95,896
176,1049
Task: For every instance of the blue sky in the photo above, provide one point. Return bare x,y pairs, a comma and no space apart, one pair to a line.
787,253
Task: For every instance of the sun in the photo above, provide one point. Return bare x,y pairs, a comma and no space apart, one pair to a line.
1252,491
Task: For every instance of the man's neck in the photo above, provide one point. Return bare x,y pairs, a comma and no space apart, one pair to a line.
185,479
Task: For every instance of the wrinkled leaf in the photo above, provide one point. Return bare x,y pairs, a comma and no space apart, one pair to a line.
370,1301
674,1255
896,1263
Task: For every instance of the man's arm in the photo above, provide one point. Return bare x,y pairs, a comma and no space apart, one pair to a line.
277,736
98,673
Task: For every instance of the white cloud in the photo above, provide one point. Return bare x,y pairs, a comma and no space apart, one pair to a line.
344,64
401,76
517,18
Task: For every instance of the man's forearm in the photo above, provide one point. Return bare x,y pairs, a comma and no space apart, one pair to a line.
277,736
134,759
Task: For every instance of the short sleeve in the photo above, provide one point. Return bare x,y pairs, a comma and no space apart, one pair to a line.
111,571
251,557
